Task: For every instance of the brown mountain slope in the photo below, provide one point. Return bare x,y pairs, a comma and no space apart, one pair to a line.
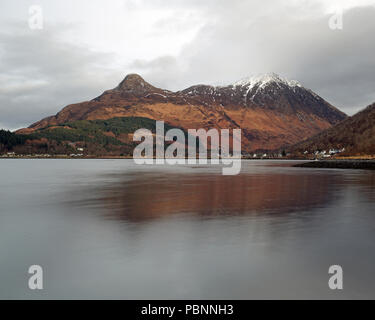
356,134
271,111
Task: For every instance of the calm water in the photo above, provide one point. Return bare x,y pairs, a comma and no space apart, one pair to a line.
113,229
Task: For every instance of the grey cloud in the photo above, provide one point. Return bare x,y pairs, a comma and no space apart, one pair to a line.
161,71
40,75
244,40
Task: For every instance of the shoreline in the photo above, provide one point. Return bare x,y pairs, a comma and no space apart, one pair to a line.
364,164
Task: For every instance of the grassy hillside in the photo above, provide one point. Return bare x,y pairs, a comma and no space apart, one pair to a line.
356,134
97,137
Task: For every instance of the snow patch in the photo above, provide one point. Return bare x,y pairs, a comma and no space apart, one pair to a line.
264,79
261,81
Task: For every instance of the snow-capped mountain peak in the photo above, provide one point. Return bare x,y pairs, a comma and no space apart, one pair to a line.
263,80
264,86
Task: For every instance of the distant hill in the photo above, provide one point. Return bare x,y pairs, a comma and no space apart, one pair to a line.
96,137
270,110
356,134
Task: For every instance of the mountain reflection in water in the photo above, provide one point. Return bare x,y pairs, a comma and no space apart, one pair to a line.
151,195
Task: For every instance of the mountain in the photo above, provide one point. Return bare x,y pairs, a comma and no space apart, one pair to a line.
356,134
270,110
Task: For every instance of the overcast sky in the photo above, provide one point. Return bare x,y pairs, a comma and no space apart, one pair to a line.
86,47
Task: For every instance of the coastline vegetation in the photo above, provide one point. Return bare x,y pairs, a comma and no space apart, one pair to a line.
111,137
